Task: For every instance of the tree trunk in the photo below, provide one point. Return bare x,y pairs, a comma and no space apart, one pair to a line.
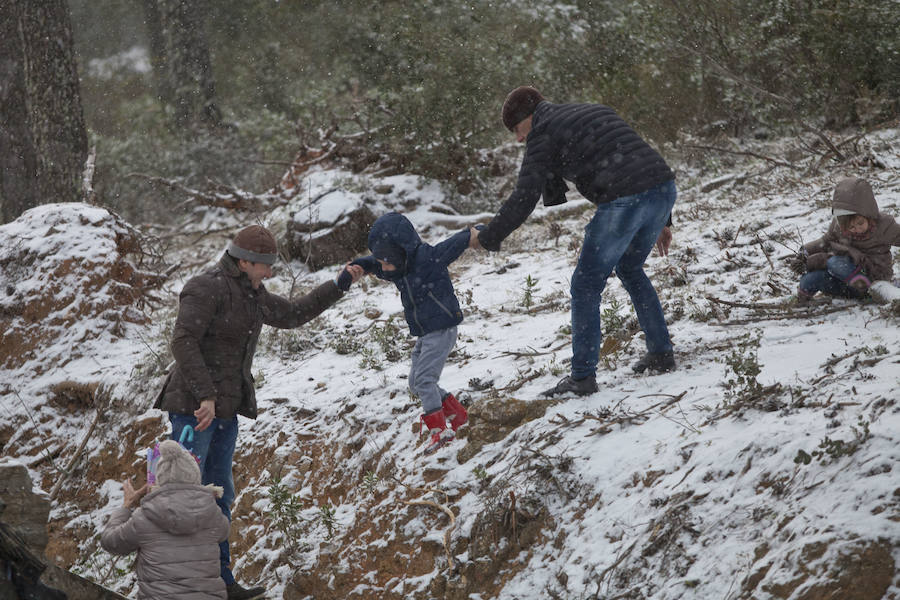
18,185
53,99
189,71
158,59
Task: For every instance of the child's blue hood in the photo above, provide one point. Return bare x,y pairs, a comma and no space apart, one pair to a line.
395,230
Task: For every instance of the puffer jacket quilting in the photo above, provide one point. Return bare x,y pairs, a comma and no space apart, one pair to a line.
587,144
426,290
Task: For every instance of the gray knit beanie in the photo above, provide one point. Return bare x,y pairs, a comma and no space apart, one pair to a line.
176,465
254,243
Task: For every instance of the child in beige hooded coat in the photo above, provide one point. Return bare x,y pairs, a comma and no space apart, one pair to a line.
176,531
856,249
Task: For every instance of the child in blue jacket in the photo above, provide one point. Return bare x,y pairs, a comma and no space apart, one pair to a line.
431,308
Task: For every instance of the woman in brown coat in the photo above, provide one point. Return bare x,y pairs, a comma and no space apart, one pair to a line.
856,249
176,531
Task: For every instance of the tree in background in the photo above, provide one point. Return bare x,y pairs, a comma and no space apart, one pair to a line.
17,157
44,141
180,57
415,85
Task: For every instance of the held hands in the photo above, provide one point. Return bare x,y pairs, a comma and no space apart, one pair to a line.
132,496
349,274
205,414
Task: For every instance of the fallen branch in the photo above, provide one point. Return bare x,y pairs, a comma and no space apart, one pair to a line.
788,315
774,161
293,164
616,563
447,531
222,196
64,476
515,385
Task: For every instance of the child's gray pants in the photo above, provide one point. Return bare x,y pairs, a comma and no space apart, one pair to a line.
428,358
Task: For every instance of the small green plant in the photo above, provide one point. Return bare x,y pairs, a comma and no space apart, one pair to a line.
370,482
698,312
347,342
284,513
529,290
555,368
830,450
480,473
370,360
610,318
327,517
879,350
387,337
743,368
291,342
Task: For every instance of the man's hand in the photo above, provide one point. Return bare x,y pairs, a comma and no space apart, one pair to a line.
356,271
350,274
132,496
474,244
205,414
663,241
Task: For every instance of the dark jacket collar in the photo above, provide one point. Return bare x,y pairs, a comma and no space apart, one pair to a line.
230,267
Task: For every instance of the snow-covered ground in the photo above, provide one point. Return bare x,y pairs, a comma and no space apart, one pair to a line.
708,482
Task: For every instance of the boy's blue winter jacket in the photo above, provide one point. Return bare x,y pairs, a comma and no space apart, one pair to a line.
429,302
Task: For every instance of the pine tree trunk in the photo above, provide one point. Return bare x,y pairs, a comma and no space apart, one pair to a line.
18,186
53,98
189,74
158,60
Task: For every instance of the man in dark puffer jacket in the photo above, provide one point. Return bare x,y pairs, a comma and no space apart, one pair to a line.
220,315
634,190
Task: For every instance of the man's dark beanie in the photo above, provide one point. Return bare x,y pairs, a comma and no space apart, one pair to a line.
519,105
254,243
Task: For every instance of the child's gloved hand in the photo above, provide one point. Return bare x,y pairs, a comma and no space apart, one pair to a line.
344,280
797,263
350,274
817,261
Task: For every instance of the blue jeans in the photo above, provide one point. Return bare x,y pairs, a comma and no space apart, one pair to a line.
215,448
832,280
620,236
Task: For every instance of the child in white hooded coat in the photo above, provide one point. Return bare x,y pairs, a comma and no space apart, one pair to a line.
176,531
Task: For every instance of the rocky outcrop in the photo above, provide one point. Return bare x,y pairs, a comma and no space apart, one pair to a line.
493,420
24,572
320,241
67,264
22,508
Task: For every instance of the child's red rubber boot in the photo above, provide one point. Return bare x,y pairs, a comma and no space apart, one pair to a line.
455,412
436,423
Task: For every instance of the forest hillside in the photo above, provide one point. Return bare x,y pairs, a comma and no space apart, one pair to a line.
761,468
137,137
